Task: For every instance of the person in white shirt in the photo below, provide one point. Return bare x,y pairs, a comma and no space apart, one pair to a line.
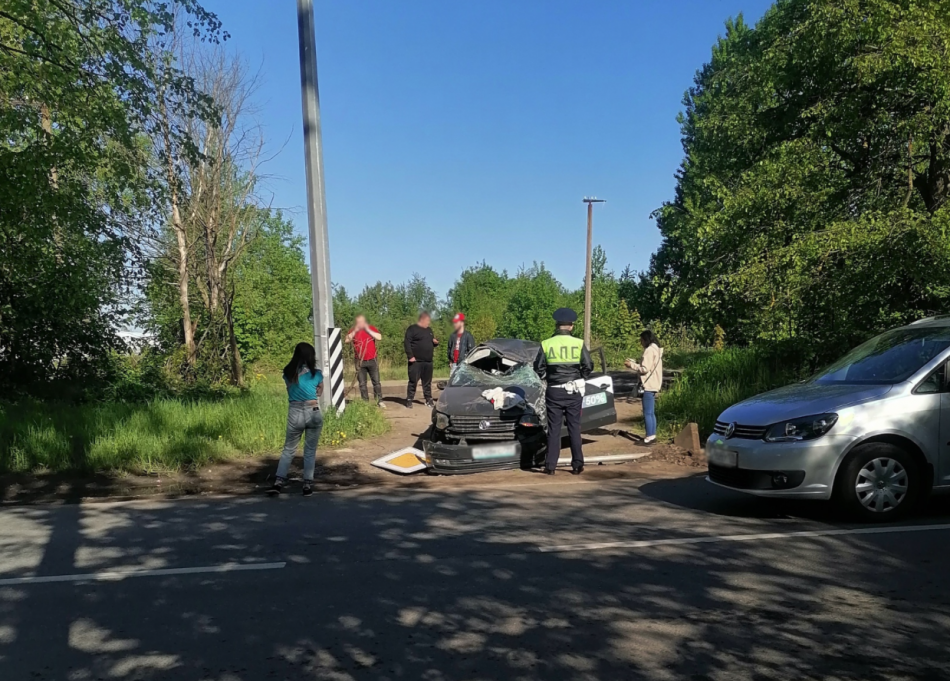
650,369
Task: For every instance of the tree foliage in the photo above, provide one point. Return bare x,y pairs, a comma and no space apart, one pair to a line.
812,200
77,90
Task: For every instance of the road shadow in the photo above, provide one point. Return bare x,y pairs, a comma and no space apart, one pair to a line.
382,586
697,494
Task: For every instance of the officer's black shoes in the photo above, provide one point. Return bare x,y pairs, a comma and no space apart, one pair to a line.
577,471
548,471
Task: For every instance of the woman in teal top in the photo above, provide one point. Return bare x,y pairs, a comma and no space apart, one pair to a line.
304,387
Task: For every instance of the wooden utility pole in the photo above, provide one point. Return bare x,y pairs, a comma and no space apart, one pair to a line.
590,201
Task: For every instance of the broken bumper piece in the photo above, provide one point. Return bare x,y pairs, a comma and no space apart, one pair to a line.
447,459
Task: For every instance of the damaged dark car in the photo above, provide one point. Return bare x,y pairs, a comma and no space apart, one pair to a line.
491,414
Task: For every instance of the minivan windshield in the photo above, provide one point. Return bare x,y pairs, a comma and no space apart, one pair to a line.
890,358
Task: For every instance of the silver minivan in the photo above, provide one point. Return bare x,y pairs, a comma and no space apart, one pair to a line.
871,431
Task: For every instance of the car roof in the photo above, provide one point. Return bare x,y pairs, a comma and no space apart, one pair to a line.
515,349
939,320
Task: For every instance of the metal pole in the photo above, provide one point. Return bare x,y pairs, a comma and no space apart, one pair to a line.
316,193
587,282
590,250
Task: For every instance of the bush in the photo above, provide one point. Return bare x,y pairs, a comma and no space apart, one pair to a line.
167,434
719,380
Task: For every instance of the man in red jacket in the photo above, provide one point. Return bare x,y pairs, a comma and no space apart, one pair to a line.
364,337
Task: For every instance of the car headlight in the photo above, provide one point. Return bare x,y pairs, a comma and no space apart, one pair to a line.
805,428
441,421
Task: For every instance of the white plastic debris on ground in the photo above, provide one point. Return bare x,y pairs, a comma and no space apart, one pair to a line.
403,461
502,399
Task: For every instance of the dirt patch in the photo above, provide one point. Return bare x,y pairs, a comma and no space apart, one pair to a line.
350,467
676,456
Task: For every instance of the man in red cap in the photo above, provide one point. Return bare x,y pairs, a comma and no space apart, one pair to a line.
460,343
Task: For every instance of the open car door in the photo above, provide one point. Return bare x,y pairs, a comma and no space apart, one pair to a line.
599,409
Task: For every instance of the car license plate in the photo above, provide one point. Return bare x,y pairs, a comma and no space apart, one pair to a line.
595,400
483,452
720,456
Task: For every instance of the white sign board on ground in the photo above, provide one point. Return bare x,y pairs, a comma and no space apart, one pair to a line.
404,461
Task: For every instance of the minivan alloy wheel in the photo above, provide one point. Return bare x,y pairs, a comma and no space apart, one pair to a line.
881,485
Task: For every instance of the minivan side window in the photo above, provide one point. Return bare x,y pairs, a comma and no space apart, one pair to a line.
936,382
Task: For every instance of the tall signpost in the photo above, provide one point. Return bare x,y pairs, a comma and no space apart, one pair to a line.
316,193
590,201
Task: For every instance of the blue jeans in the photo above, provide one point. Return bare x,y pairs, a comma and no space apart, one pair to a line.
649,412
301,419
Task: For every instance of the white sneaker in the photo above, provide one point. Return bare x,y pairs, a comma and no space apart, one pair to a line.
649,440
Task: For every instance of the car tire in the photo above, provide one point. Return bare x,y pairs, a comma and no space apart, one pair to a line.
879,482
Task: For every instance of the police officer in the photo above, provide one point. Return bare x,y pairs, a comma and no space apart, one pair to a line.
564,362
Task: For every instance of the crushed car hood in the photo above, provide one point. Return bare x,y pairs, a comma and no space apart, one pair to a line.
462,400
463,394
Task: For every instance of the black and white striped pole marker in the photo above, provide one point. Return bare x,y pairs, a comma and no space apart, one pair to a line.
337,394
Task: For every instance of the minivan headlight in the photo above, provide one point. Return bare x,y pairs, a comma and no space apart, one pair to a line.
441,421
805,428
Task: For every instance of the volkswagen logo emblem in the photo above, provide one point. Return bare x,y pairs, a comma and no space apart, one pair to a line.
730,430
484,425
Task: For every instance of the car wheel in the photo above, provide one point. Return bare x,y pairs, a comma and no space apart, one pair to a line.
879,482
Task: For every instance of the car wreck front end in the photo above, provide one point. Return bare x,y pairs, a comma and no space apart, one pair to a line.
491,415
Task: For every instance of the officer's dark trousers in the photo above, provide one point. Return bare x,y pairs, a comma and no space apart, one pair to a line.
564,407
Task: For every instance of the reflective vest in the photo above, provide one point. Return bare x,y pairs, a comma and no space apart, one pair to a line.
562,349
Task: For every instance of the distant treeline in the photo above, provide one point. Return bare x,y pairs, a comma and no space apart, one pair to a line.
497,304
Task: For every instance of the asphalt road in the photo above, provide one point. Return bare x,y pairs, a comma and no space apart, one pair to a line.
606,580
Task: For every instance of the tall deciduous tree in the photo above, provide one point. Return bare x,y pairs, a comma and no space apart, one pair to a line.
77,90
816,170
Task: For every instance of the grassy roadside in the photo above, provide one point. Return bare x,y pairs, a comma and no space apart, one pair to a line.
719,380
163,434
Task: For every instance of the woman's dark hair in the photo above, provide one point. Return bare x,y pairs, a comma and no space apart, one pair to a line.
305,355
648,338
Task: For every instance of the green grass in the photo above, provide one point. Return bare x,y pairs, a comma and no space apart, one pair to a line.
164,434
711,384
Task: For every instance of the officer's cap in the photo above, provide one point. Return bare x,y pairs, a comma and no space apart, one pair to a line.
565,315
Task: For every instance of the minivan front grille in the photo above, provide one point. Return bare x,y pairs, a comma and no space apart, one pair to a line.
741,432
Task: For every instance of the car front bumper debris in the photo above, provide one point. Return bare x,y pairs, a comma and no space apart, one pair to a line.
456,459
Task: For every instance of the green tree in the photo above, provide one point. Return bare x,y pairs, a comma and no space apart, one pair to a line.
613,326
534,295
273,301
482,294
77,88
817,170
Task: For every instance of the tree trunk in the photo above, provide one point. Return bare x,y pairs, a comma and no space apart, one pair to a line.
934,184
181,238
237,367
189,328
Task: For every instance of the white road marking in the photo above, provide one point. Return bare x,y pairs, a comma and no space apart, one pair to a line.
680,541
127,573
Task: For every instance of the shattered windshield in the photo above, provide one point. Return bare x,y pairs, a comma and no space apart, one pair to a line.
470,377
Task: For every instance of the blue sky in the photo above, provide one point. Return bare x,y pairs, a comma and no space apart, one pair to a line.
456,132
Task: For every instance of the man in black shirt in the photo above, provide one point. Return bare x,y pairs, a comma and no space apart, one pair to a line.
420,344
